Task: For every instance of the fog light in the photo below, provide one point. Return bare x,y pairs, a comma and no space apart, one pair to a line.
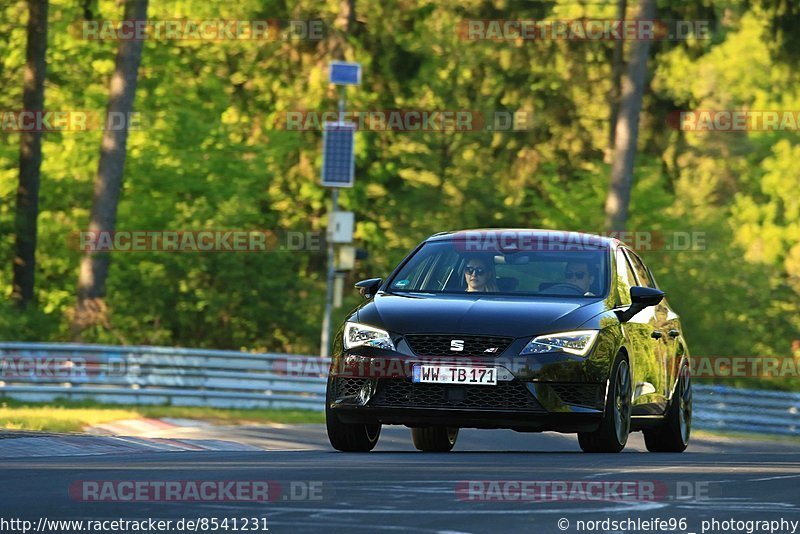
366,392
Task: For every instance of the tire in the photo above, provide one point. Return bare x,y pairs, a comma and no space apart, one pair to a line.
347,437
673,434
434,438
612,435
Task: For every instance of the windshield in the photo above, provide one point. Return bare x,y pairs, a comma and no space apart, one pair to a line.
445,267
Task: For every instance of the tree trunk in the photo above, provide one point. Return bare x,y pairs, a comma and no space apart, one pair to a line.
91,307
617,67
347,15
627,128
30,156
344,23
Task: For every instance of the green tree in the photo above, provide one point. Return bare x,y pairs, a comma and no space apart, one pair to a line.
91,308
30,155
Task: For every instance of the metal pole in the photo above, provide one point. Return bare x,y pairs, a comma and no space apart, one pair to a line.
325,340
325,337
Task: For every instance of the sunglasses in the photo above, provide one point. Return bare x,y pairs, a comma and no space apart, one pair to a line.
569,275
474,270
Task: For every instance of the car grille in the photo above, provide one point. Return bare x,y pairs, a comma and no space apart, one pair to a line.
590,395
347,387
503,396
439,345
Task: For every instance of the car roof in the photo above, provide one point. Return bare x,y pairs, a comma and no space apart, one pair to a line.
604,240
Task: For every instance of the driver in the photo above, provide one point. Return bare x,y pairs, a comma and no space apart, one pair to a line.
578,275
479,274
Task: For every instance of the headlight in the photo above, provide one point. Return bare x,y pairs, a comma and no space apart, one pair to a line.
578,342
356,334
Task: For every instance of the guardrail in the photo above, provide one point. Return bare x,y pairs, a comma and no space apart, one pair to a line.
43,372
745,410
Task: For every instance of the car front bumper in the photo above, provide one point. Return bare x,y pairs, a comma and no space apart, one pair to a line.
383,392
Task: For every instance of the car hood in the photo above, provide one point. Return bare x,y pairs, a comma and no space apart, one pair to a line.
466,314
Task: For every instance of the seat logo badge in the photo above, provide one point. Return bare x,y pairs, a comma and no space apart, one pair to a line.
491,349
457,345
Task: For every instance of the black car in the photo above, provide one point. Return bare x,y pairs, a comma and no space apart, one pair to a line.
531,330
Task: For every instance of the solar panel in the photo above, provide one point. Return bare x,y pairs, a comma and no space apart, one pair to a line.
338,159
343,73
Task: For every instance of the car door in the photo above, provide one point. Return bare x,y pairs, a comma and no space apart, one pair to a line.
647,350
669,324
656,386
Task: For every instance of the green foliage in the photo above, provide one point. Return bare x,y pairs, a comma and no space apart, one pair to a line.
213,155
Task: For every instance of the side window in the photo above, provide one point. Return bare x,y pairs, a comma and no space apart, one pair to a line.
641,271
625,279
440,272
414,273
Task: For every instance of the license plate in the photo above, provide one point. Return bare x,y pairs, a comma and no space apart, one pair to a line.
454,374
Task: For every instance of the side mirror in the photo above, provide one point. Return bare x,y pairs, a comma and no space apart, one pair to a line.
641,298
645,296
368,288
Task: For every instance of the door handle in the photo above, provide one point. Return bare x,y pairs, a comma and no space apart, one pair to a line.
674,333
657,334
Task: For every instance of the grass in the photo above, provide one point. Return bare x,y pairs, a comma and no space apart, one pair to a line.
58,418
74,416
744,435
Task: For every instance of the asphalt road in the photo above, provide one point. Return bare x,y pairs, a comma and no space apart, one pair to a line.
398,489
